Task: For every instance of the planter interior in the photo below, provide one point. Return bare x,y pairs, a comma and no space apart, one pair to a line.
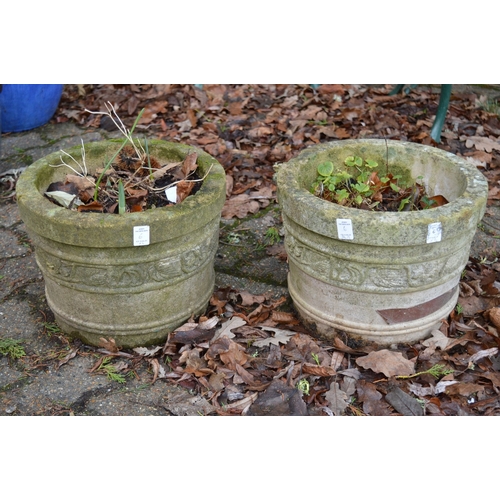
99,282
396,276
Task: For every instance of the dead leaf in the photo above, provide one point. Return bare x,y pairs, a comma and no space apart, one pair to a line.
159,173
419,390
195,364
216,381
108,344
371,399
279,399
194,336
257,132
225,329
64,199
404,403
248,299
85,186
229,185
439,339
66,358
184,189
342,133
245,375
229,352
158,370
284,318
443,384
240,206
479,158
439,200
480,143
208,323
280,336
337,399
243,404
94,206
337,358
348,385
464,389
390,363
494,316
319,371
144,351
485,353
340,346
189,164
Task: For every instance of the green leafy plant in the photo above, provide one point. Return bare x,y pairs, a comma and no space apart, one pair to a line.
368,189
303,386
51,328
490,105
316,358
110,370
12,348
121,198
272,236
436,371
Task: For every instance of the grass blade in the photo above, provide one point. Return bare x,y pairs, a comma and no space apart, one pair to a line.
121,198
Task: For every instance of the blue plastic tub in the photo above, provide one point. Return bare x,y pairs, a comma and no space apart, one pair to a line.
23,107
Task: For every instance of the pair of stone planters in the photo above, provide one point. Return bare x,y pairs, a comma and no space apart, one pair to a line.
133,277
383,277
388,277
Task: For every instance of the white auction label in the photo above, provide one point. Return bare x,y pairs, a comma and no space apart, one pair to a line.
344,229
141,236
434,232
171,194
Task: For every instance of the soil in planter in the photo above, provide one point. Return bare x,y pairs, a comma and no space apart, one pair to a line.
145,183
369,190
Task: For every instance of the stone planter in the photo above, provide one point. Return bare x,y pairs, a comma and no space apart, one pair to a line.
103,278
385,277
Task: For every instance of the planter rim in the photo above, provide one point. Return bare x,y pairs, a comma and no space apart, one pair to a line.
319,215
93,229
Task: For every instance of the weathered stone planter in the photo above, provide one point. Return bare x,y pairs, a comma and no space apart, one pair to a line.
384,277
102,276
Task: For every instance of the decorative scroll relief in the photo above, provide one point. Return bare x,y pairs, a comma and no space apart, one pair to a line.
130,275
343,272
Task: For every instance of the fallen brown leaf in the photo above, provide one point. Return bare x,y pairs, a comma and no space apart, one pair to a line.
390,363
240,206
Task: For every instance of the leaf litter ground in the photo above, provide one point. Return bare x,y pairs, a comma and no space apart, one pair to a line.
249,354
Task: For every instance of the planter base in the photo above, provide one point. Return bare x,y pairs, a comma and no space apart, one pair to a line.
327,312
133,334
